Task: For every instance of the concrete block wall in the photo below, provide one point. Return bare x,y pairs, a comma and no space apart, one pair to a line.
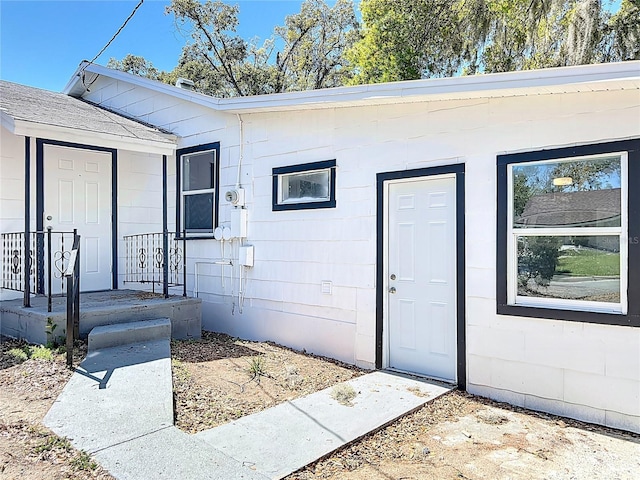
190,121
12,154
139,203
581,370
539,363
12,170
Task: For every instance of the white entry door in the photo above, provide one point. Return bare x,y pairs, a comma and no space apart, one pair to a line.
77,194
421,277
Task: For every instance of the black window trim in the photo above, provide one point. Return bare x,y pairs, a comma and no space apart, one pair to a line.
632,317
304,167
180,152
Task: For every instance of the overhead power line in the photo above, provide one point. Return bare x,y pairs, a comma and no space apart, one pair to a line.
118,32
82,74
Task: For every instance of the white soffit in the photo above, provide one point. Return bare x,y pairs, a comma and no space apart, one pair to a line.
582,78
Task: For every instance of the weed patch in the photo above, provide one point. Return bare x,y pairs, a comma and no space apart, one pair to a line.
18,354
344,394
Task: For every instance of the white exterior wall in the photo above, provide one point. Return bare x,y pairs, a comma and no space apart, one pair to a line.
139,195
140,202
12,169
581,370
12,181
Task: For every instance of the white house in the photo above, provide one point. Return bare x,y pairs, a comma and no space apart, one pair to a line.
454,228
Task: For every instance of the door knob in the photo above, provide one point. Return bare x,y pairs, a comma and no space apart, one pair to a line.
392,290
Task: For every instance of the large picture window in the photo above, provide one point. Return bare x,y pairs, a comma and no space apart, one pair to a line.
197,189
567,225
565,242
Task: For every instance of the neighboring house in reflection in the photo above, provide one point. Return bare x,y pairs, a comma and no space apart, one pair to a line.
587,208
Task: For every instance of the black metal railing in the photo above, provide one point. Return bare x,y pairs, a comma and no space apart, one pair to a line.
72,276
13,261
158,259
49,254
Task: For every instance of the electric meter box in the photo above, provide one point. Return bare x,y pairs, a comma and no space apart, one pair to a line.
238,223
235,197
245,256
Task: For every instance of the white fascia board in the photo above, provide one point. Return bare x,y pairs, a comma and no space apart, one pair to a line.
527,82
7,122
73,135
76,88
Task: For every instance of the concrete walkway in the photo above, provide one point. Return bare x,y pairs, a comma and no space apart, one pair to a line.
118,406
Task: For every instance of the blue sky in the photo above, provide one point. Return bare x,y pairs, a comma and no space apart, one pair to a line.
42,42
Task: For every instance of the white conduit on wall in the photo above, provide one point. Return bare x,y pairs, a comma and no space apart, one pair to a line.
221,262
221,234
241,150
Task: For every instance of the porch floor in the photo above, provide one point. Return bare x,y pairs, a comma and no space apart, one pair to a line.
99,308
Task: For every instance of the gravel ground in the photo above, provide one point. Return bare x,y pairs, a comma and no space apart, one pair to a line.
219,378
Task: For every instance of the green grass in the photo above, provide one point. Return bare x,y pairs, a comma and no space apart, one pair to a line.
589,263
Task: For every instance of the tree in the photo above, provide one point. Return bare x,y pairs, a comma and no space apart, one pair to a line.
135,65
587,175
216,54
315,41
623,39
537,261
221,63
404,39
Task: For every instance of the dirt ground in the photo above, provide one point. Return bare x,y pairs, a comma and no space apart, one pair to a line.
28,387
217,379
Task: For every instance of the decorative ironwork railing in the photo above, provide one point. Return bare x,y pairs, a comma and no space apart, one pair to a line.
13,261
49,254
146,261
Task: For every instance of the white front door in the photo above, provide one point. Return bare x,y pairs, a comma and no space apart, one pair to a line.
421,277
77,194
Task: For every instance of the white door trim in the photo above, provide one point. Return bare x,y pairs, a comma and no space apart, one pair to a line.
386,354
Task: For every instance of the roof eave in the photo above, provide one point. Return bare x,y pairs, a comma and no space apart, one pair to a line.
76,87
99,139
7,122
530,82
615,76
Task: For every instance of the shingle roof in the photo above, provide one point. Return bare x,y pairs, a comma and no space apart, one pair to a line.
43,107
584,208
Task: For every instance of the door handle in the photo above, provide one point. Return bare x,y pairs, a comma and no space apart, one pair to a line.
392,290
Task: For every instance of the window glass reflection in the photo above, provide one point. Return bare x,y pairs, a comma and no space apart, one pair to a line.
582,193
572,267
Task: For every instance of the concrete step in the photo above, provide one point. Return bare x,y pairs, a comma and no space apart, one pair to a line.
118,334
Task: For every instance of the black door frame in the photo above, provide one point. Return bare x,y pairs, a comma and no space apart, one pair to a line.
381,181
40,144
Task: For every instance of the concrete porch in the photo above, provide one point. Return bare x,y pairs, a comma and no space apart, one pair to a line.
109,307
